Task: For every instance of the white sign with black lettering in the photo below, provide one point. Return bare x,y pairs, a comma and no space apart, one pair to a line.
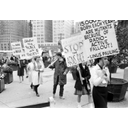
31,47
16,48
99,38
73,50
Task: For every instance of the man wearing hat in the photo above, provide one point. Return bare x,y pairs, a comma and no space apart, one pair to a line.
60,74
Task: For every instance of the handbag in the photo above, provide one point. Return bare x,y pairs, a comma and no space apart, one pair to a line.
88,86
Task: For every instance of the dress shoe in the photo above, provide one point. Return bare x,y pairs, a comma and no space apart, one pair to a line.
61,97
37,95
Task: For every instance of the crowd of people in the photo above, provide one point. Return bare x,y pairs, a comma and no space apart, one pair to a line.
99,77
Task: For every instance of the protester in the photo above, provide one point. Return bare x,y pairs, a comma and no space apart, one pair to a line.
12,58
8,72
45,59
26,63
37,74
5,64
100,79
20,71
82,85
30,68
60,74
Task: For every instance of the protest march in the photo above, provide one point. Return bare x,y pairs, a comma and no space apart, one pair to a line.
95,43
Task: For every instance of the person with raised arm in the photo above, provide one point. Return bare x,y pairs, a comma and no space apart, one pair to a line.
60,73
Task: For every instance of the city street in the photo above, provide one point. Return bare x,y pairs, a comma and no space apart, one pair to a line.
20,94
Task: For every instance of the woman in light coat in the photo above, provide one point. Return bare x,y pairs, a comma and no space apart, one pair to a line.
37,74
30,68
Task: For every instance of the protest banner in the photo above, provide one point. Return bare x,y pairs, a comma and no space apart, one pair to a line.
31,47
99,38
18,50
73,50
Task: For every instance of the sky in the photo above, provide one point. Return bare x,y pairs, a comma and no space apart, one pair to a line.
74,20
77,20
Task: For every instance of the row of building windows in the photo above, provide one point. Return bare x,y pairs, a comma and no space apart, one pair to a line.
5,46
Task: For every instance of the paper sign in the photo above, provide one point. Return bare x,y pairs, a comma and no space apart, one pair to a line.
16,48
31,47
73,50
99,38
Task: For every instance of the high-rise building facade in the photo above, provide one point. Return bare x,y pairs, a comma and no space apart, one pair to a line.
12,31
62,29
42,29
77,28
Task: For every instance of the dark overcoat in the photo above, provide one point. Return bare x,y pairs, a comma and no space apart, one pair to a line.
60,68
85,73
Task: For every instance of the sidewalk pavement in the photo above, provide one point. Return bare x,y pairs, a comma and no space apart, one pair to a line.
20,94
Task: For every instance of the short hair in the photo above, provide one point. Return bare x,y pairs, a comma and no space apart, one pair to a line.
97,61
59,54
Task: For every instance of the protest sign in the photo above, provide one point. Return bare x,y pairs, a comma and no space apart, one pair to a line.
31,47
99,38
16,48
73,50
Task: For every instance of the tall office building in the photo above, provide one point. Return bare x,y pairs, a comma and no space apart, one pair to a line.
62,29
77,28
42,29
12,31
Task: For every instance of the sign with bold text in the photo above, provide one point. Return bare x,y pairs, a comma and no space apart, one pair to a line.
73,50
31,47
99,38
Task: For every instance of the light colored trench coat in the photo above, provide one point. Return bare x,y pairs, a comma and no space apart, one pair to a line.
37,76
30,68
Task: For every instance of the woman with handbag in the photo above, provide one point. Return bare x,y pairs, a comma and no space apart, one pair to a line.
82,85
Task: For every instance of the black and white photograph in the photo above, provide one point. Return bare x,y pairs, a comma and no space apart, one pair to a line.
63,64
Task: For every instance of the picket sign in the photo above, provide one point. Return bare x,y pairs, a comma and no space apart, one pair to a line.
73,50
99,38
17,50
31,47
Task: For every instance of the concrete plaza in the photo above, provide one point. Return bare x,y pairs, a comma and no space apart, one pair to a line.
20,94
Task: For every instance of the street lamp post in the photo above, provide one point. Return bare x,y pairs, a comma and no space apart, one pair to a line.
59,42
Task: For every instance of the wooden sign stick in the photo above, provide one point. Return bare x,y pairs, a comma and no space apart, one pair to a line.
80,75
